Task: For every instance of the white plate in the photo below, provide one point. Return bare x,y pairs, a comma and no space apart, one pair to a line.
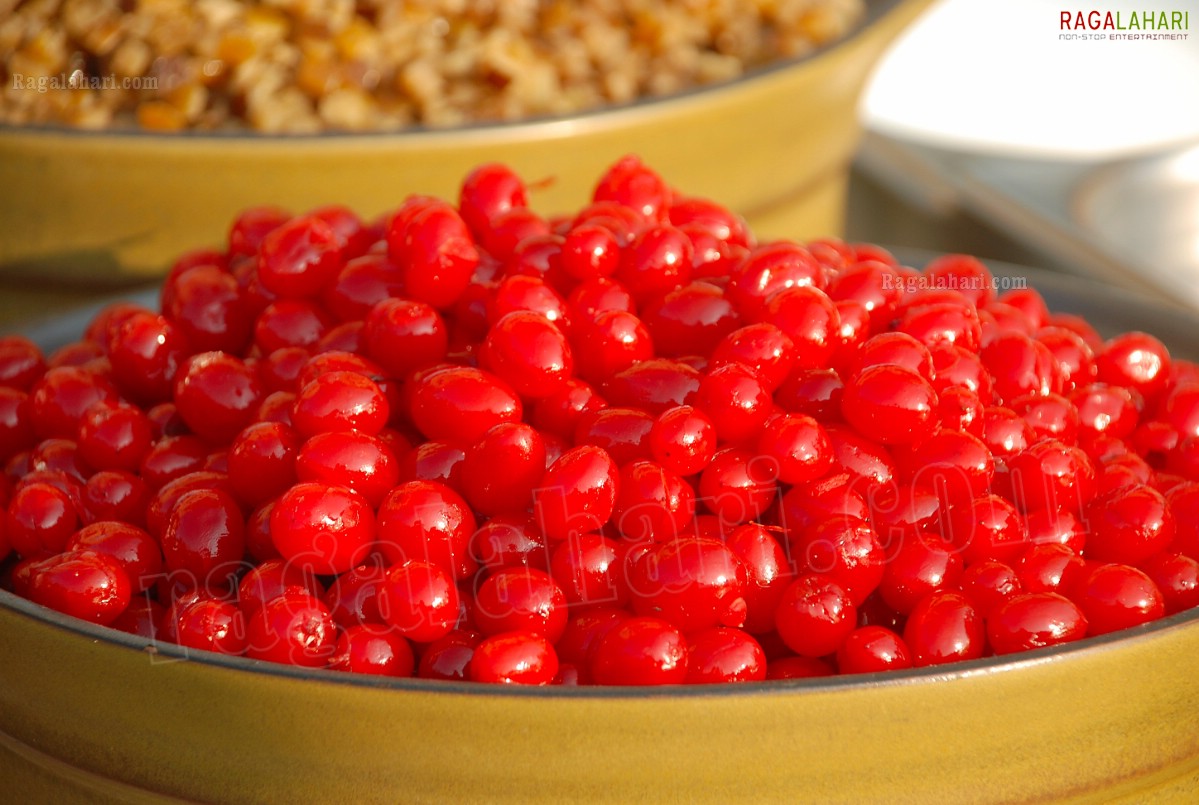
995,77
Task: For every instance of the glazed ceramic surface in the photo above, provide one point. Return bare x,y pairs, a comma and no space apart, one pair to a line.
103,208
91,715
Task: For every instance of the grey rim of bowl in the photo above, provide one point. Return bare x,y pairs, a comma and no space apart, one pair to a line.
875,10
168,652
1061,291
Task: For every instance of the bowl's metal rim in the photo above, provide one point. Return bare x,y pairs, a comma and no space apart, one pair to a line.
937,674
547,125
1092,294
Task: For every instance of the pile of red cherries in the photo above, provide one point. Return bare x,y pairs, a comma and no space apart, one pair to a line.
631,446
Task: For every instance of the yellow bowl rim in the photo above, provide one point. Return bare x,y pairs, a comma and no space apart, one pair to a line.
531,126
1077,650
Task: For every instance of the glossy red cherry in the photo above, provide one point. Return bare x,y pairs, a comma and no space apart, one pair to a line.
814,392
1134,360
291,323
520,599
815,616
944,627
434,249
590,250
623,432
340,401
509,540
948,323
271,579
609,342
918,567
211,625
427,521
810,319
633,185
514,658
561,412
736,401
361,284
115,495
577,493
262,461
737,485
1053,476
85,584
798,668
216,395
890,404
1116,596
136,551
419,600
762,347
848,553
588,569
146,352
654,385
1034,620
209,310
326,529
366,650
652,503
694,583
205,535
899,349
721,654
403,335
21,362
1005,432
1020,366
489,191
657,260
299,258
870,649
767,574
964,274
460,404
500,471
769,269
1177,576
683,439
353,597
1051,416
294,629
987,527
114,436
355,460
60,398
689,320
872,284
1129,525
641,651
449,657
529,352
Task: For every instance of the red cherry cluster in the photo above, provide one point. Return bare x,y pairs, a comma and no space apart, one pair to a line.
629,446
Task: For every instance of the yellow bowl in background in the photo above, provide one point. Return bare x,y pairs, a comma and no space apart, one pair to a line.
92,715
108,208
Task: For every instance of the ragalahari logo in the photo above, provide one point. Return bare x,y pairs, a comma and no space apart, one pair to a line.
1125,24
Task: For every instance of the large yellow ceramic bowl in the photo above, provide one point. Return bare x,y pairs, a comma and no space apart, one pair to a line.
90,715
107,207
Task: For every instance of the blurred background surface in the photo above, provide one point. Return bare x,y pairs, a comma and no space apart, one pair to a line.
991,130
